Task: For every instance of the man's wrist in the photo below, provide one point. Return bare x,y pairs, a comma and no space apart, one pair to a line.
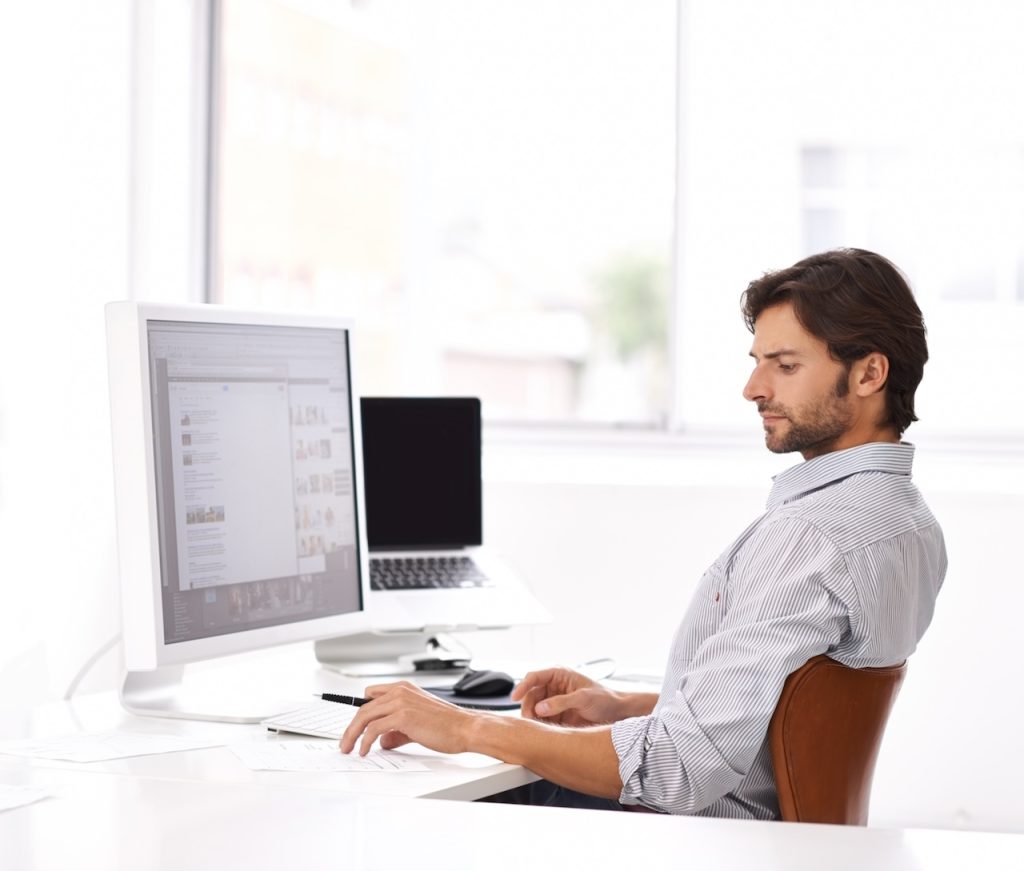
481,734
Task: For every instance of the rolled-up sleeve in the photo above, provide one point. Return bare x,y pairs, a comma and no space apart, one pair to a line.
788,600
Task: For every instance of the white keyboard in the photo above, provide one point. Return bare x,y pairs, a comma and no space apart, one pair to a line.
321,719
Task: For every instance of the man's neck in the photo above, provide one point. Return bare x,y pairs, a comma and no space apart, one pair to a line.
852,440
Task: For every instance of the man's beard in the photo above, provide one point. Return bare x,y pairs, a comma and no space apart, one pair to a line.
819,428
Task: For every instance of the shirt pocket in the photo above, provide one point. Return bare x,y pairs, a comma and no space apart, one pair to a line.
703,616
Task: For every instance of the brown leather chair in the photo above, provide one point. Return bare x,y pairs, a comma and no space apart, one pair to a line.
824,738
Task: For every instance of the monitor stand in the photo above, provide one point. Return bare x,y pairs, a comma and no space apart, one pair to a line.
392,654
225,698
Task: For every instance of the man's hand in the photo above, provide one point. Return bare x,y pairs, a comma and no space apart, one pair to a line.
580,759
567,698
401,712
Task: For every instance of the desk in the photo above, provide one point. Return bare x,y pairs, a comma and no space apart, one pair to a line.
467,776
109,821
204,809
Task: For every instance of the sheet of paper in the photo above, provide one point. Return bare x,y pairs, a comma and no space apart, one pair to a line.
19,796
102,745
318,755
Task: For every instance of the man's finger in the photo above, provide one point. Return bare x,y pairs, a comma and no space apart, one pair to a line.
555,705
527,707
374,731
365,715
354,730
532,680
391,740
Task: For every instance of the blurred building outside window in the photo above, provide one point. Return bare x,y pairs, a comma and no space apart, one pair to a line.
487,187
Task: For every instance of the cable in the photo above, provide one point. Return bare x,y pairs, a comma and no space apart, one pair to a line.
598,669
89,663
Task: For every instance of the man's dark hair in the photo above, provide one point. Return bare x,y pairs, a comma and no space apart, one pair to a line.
856,302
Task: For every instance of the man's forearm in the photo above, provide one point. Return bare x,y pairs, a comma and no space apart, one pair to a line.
581,759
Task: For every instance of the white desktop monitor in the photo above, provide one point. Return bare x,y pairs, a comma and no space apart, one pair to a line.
239,494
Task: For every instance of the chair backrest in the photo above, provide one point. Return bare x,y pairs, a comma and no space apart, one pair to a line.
824,738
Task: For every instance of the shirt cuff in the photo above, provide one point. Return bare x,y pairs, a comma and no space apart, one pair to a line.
629,737
667,762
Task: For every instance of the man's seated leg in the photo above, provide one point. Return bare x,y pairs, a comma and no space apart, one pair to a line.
546,794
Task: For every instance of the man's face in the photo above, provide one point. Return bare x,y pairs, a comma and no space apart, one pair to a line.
801,393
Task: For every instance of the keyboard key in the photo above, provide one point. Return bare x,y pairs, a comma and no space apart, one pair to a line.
425,573
322,720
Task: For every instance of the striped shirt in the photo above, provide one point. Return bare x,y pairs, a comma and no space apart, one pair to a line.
847,560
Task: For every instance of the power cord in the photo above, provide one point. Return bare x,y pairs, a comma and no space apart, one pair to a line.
89,663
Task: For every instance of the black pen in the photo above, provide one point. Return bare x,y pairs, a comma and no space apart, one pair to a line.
356,701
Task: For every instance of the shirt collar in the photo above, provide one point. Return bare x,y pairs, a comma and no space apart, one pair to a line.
893,459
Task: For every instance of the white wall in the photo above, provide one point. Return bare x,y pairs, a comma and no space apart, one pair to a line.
617,562
97,206
64,158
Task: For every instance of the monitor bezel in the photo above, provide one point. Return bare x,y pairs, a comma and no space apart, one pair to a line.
135,490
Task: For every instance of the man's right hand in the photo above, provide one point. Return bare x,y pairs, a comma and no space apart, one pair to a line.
568,698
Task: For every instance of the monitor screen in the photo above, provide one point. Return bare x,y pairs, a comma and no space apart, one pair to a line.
253,460
239,491
422,469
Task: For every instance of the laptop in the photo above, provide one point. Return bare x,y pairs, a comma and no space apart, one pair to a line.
429,568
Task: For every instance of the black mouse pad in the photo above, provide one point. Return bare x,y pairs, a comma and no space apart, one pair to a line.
478,703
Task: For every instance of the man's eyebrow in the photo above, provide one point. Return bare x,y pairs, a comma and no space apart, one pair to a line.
771,355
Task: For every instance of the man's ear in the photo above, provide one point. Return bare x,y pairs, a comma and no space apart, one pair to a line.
870,374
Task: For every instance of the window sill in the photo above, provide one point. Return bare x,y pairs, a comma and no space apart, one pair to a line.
728,458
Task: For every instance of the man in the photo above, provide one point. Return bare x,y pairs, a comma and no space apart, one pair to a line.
847,561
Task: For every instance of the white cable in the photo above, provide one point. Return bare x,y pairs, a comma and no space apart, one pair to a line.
598,669
89,663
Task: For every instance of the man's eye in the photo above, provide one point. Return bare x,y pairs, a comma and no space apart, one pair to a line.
787,367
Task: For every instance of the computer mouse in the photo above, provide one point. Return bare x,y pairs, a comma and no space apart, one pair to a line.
483,683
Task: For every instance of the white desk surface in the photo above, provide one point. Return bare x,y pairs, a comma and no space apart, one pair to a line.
204,809
465,776
109,821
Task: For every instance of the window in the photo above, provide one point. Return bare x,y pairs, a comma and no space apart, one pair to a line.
488,187
892,126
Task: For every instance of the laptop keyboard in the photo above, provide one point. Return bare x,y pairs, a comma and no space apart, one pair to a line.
425,573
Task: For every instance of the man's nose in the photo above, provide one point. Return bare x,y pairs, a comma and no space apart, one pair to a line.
756,389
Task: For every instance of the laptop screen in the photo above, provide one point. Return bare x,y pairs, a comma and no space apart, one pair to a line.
421,462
